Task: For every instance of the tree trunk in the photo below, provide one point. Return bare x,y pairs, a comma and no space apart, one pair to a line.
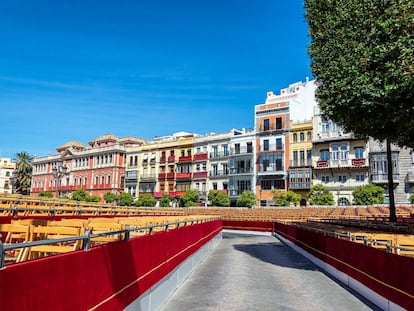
393,216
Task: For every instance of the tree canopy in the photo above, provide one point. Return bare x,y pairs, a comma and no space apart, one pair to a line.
247,198
146,200
23,172
320,195
285,198
189,198
368,194
362,55
218,198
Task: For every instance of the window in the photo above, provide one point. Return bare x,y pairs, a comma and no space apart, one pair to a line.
343,154
214,186
302,136
325,126
295,156
359,153
324,155
102,179
309,154
342,178
215,151
266,185
266,125
302,155
249,147
225,150
278,123
309,136
265,144
295,137
360,177
189,152
325,179
237,148
96,179
335,152
279,144
109,179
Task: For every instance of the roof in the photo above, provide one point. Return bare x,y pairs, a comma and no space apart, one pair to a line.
74,143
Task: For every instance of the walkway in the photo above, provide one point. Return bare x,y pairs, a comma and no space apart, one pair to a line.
247,272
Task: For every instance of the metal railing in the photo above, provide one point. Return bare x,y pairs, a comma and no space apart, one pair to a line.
86,238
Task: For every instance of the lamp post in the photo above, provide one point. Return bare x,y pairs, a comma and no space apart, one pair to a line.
59,172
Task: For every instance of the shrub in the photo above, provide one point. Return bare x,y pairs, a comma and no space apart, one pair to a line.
110,197
146,200
190,198
45,194
165,200
285,198
218,198
125,199
368,194
320,195
247,198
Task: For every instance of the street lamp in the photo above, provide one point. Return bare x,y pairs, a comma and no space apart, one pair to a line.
59,172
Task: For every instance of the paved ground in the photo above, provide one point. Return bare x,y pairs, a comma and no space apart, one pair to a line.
247,272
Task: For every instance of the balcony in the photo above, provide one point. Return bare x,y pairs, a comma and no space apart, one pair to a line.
163,160
272,128
201,156
346,163
300,163
236,193
218,173
241,151
185,159
147,177
171,159
299,185
221,154
162,175
271,170
237,170
170,175
383,178
200,175
272,148
183,176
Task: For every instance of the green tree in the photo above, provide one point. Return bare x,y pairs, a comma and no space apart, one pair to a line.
189,198
411,198
320,195
79,195
247,198
45,194
285,198
218,198
165,200
146,200
368,194
23,171
125,199
362,54
92,198
110,197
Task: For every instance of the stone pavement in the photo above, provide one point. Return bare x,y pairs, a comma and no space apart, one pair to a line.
250,272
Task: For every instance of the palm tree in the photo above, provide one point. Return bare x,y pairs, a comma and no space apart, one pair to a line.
23,172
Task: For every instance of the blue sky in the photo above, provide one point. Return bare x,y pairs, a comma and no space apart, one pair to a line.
74,70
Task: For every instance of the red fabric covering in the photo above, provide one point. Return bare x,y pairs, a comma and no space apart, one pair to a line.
264,226
390,275
108,277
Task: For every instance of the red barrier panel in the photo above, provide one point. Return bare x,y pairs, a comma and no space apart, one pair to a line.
264,226
108,277
389,275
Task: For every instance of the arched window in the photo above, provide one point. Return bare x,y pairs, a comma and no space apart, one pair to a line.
295,137
309,136
109,179
343,202
102,179
302,136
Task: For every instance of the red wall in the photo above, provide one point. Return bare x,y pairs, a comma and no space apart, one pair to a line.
390,275
108,277
264,226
